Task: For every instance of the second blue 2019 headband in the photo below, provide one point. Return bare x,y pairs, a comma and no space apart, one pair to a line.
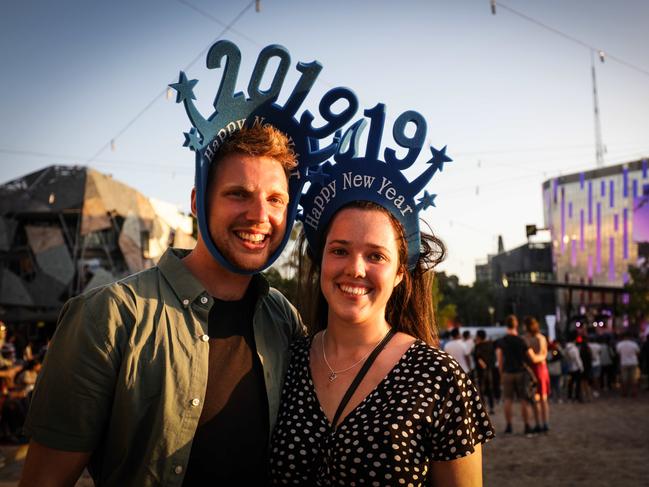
369,177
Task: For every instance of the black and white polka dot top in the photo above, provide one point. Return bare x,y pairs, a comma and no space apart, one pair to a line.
426,409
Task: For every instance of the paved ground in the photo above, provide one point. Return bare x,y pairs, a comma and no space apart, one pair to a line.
602,443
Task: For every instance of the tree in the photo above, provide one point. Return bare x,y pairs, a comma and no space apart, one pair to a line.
638,290
465,305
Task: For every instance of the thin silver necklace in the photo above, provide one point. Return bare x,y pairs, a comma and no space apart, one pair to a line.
333,374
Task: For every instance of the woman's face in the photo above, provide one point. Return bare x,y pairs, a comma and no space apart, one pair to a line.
360,266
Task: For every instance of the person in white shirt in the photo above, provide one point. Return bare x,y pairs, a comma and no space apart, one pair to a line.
457,349
469,344
596,366
628,351
575,368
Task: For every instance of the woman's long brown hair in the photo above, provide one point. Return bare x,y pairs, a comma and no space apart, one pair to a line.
410,307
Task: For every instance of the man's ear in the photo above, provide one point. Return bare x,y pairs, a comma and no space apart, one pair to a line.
193,197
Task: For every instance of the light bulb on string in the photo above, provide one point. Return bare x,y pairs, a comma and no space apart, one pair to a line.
257,6
602,55
170,93
112,145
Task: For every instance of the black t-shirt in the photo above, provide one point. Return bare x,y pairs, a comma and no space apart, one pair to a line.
514,353
485,351
231,441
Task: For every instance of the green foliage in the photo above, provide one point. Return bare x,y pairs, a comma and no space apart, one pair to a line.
288,287
638,289
462,305
445,312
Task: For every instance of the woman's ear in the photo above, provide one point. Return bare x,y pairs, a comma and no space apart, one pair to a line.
399,277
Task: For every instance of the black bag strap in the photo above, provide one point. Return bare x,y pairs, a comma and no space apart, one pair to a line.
361,374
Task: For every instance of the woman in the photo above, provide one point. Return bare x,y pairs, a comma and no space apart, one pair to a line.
539,353
414,418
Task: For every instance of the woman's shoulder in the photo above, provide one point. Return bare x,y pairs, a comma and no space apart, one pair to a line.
301,345
427,358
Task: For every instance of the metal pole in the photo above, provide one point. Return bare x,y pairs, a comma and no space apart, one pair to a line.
599,146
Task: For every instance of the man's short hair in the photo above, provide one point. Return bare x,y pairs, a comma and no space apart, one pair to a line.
511,322
481,334
466,334
261,141
455,333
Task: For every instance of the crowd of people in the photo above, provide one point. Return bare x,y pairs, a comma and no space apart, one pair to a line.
19,367
537,371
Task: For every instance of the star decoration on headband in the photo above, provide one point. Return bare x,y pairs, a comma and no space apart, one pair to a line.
439,158
192,139
317,176
426,200
185,88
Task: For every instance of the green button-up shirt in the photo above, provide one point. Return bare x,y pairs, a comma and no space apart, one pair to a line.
126,373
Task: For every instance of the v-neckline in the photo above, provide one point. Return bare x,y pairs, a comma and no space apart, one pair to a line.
364,400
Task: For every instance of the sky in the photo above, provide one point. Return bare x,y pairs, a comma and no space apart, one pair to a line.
511,99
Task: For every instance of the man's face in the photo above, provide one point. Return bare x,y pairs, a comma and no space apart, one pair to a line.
247,204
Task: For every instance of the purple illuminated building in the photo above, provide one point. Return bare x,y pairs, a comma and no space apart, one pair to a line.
605,230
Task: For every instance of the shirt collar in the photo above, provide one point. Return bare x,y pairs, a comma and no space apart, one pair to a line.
183,282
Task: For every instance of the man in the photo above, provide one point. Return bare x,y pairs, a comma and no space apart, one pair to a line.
628,351
172,376
469,344
457,349
485,360
512,354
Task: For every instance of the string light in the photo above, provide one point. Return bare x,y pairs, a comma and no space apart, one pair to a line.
170,93
257,6
570,38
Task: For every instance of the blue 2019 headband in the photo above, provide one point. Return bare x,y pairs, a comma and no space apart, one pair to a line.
367,177
235,110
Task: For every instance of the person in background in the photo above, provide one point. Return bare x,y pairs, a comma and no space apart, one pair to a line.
644,358
538,350
628,351
587,362
469,344
574,366
596,366
484,355
607,358
456,348
513,354
555,369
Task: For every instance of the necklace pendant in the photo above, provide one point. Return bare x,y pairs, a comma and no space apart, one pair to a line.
332,376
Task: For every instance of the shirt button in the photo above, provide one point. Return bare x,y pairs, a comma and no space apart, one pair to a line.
196,401
205,338
178,469
185,302
204,300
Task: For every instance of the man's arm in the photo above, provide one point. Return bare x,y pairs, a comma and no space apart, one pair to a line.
72,399
463,472
47,467
499,356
